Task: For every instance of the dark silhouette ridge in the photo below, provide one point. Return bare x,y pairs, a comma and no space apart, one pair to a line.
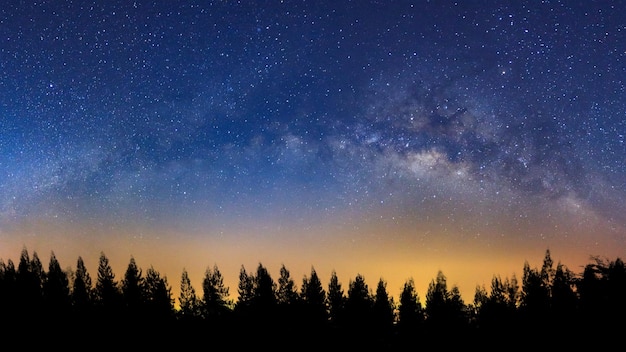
552,306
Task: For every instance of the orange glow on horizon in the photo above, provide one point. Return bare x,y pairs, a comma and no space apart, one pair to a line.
379,250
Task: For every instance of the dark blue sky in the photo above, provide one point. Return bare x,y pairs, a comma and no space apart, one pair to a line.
208,114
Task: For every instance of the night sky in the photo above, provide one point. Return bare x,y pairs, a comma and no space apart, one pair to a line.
387,138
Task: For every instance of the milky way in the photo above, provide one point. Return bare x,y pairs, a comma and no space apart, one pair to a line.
468,116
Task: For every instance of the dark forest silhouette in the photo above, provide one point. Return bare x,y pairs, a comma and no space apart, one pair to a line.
551,304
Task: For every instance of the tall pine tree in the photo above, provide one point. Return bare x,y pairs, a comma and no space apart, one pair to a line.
314,299
335,299
57,289
158,297
132,289
107,292
383,307
82,289
189,305
216,301
287,292
410,312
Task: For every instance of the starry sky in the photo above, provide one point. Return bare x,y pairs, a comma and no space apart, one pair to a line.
387,138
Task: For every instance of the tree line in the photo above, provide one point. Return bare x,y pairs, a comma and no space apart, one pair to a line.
140,306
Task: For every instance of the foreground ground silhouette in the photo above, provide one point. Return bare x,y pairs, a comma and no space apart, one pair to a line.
550,306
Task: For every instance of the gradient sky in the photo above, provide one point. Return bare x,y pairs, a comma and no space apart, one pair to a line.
387,138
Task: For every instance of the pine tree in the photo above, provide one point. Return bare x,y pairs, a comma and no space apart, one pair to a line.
512,295
564,299
336,299
359,304
29,286
457,308
410,314
535,298
287,293
616,287
39,274
107,292
188,301
56,289
132,288
82,290
314,299
215,300
158,296
497,311
245,290
290,312
8,291
547,272
383,307
264,289
444,308
436,297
